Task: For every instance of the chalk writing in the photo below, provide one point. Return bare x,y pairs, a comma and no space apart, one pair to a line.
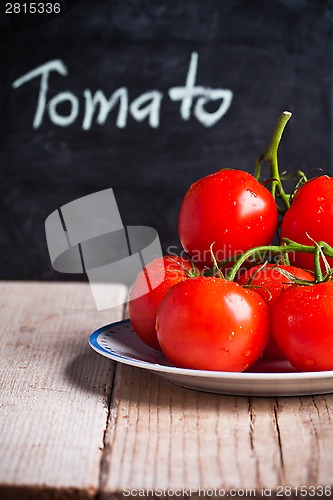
147,106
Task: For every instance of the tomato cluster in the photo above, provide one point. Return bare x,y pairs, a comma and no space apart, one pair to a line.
235,296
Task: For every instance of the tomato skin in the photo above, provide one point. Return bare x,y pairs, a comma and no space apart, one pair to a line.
212,324
302,325
271,283
161,274
311,212
229,208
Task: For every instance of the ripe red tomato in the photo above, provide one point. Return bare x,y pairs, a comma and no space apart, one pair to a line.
212,324
148,290
311,212
302,325
270,283
230,208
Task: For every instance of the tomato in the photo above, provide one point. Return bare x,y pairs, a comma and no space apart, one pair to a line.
212,324
230,208
270,283
148,290
302,325
311,212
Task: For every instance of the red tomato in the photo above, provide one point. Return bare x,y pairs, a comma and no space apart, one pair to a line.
148,290
311,212
302,324
230,208
212,324
270,283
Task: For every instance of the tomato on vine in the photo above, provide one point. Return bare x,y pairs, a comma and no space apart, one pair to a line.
302,325
212,324
302,316
310,217
230,208
270,282
149,288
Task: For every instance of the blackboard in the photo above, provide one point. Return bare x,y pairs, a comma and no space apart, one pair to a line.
254,58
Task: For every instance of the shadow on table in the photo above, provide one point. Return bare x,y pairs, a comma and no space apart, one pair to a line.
96,374
91,372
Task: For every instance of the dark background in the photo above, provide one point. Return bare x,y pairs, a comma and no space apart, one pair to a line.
272,55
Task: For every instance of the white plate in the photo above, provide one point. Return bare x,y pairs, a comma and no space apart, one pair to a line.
266,378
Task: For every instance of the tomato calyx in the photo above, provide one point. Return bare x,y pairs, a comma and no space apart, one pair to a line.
290,277
320,251
253,276
190,273
216,271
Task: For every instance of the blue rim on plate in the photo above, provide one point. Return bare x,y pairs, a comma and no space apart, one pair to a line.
266,378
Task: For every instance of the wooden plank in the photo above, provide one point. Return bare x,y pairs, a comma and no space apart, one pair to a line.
306,435
161,436
54,390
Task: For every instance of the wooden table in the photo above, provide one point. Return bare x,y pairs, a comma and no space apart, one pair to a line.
76,425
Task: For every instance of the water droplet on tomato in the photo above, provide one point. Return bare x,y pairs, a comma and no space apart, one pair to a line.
252,193
247,354
225,351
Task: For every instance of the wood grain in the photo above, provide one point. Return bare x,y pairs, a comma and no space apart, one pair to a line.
306,434
54,389
166,437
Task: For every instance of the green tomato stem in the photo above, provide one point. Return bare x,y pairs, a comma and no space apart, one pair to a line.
257,172
271,157
288,246
317,264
